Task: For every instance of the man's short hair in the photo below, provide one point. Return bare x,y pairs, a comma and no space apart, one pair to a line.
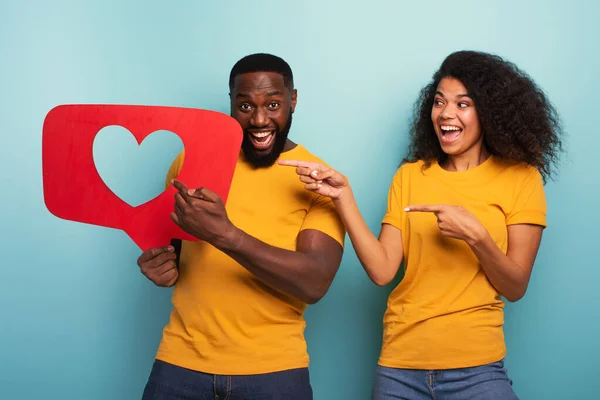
262,62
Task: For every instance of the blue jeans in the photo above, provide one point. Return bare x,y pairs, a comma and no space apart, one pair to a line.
486,382
170,382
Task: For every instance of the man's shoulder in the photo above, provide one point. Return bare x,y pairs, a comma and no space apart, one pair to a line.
178,160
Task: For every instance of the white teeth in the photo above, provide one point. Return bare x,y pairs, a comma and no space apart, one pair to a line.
449,128
261,134
264,143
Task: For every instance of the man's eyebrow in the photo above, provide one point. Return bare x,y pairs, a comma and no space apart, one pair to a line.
269,94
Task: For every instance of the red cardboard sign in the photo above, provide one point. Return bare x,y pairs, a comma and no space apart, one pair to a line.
73,189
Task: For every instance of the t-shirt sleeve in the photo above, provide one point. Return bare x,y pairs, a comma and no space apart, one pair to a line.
529,206
174,169
322,216
393,214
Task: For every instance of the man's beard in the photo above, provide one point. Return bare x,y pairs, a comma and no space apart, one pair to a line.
266,160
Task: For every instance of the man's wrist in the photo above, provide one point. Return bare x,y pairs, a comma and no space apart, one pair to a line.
232,239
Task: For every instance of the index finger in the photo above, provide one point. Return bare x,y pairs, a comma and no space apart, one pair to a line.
204,194
298,163
424,208
151,253
181,187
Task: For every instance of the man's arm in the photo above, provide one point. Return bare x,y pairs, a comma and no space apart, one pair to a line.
305,273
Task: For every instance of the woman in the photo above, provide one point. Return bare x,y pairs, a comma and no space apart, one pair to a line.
465,216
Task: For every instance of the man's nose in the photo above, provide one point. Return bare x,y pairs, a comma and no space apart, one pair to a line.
260,118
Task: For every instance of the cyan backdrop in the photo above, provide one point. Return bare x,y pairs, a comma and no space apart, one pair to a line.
78,320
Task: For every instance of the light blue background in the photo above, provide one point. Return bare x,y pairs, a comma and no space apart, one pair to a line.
78,320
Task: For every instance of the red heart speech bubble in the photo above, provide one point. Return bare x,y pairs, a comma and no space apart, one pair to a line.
73,189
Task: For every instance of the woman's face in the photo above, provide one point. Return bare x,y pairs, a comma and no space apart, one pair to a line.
455,119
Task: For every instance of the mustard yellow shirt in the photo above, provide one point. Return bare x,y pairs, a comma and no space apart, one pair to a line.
445,313
225,320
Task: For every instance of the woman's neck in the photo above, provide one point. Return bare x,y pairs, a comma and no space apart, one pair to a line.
466,160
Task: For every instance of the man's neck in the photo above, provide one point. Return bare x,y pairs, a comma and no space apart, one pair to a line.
289,145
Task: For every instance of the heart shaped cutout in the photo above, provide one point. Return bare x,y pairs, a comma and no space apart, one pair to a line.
74,190
134,172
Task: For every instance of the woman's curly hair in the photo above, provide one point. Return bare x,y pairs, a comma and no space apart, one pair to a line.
518,122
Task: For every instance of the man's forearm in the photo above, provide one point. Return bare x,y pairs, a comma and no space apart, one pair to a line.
292,272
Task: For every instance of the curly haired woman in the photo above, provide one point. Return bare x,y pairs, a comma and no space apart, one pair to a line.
465,216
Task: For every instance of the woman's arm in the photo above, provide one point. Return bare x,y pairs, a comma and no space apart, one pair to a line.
380,257
509,273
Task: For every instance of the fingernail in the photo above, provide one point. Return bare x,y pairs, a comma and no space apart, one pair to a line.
170,248
407,209
190,191
319,185
314,173
319,182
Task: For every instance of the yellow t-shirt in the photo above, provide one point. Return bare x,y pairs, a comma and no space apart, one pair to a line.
225,320
445,313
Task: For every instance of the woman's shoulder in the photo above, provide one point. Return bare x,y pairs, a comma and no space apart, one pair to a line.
517,170
412,166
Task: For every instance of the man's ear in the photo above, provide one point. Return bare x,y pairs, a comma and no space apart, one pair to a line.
294,99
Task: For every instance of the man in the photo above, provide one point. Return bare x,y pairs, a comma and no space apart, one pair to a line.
236,330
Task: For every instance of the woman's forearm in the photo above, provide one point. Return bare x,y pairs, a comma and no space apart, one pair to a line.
508,277
372,253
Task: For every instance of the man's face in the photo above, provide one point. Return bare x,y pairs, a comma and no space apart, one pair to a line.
263,106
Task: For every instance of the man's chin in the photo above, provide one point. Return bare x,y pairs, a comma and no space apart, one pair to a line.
260,157
262,152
